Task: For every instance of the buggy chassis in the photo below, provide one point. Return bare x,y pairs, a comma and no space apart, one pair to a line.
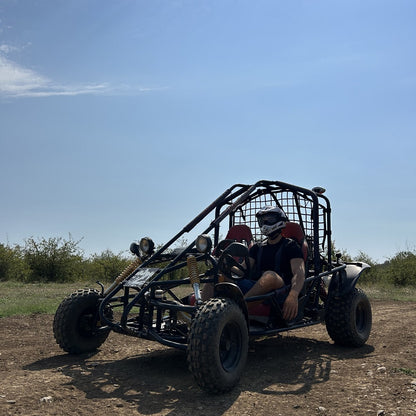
146,301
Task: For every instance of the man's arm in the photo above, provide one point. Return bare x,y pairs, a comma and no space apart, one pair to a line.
290,307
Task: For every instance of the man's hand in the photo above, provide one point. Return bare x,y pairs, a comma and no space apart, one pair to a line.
290,307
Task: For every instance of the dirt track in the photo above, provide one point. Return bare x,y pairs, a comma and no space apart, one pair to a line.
299,373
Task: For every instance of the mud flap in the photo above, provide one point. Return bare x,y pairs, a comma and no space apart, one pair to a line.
343,281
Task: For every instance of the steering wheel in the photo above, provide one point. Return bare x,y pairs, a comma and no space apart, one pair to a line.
234,256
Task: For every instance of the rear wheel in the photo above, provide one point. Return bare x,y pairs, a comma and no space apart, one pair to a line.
218,345
76,324
348,318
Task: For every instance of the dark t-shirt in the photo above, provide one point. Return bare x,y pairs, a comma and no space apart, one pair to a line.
268,259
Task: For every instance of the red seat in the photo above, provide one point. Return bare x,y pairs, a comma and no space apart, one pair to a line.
240,233
294,231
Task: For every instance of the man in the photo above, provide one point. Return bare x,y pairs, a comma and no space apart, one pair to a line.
275,263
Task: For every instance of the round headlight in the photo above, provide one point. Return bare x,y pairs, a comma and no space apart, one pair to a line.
203,243
146,245
135,249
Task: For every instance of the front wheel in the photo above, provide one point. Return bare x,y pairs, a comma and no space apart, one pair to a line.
348,318
218,345
76,325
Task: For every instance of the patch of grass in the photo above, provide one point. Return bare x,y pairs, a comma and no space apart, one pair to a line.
389,292
18,298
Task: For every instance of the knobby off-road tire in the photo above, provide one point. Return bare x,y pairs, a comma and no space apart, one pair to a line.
349,319
75,325
218,345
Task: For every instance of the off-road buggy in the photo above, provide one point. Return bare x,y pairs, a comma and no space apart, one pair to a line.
158,297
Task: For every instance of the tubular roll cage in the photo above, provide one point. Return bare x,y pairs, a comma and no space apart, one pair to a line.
239,203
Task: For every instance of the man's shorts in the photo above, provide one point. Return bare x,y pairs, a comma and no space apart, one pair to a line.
245,284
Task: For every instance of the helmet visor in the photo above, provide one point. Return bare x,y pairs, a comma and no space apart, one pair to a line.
267,219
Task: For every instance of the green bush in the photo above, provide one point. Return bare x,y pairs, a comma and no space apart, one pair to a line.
57,260
402,270
53,260
12,264
105,267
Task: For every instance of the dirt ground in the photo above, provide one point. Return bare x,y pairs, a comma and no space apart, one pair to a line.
298,373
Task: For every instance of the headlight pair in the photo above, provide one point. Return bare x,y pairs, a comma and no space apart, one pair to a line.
145,247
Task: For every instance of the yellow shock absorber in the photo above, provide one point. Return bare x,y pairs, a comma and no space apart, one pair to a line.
194,276
192,269
125,273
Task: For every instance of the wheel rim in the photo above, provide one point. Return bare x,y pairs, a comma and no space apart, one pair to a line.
87,324
230,347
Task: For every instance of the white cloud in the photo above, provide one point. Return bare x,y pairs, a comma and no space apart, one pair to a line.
7,48
17,81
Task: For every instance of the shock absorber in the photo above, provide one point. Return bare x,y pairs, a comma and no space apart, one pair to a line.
125,273
194,277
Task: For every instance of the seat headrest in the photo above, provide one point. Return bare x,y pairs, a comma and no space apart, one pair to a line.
239,233
293,230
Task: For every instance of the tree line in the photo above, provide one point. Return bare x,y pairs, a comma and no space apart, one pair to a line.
57,260
61,260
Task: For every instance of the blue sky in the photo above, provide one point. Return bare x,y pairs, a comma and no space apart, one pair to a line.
120,119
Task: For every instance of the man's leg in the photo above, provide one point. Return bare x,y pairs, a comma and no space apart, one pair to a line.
268,282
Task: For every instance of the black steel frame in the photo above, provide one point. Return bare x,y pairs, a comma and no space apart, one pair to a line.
237,205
